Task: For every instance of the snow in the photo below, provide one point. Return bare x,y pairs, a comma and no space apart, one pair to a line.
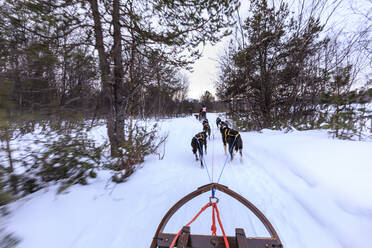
314,190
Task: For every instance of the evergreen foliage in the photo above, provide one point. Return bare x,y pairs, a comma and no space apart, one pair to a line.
207,98
283,69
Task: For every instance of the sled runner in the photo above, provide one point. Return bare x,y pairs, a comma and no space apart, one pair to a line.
184,239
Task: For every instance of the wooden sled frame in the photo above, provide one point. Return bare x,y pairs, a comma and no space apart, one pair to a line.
163,240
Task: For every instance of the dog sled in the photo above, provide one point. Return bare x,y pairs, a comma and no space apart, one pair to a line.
185,238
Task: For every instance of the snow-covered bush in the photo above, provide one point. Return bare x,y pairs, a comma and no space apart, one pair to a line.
8,240
140,143
63,155
348,116
69,159
42,153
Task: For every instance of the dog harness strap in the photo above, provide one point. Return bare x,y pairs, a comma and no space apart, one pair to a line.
227,157
201,147
227,132
202,158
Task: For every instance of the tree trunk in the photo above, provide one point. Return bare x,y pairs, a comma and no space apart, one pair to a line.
109,88
120,91
130,86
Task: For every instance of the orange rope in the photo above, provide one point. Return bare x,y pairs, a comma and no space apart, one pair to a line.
220,223
213,227
196,216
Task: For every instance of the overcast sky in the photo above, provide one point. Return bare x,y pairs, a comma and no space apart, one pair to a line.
205,71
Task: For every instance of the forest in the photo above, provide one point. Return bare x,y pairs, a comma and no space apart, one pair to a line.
289,69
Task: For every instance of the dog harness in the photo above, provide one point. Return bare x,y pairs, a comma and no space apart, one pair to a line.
227,133
200,136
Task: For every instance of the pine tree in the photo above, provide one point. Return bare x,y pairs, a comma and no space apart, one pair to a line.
272,78
175,26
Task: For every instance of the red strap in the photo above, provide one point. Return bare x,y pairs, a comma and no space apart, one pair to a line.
213,227
196,216
220,223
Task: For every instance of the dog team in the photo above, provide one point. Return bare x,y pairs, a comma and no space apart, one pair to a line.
231,140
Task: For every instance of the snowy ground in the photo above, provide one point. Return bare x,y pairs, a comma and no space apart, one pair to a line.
316,192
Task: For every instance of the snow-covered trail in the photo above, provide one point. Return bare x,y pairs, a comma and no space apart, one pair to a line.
315,191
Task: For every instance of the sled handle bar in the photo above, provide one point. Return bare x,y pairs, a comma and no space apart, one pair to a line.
227,191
